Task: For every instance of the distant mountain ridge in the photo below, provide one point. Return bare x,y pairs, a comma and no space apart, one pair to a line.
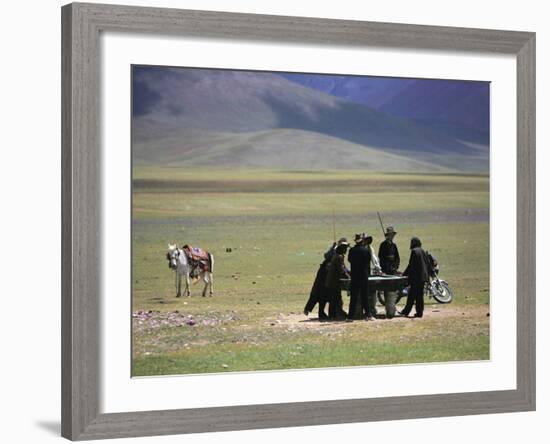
190,116
371,91
462,103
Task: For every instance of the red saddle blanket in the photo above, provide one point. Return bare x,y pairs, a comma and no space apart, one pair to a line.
198,257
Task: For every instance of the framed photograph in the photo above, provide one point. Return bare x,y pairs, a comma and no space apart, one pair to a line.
278,221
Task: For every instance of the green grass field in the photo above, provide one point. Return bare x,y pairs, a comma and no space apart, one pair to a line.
277,225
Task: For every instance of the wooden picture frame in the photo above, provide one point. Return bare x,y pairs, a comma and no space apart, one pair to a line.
81,172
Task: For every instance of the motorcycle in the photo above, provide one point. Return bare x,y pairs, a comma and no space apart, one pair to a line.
439,290
436,288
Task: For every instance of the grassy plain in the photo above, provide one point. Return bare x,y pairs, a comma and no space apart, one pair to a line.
277,225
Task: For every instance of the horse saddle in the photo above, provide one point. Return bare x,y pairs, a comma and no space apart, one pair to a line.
199,258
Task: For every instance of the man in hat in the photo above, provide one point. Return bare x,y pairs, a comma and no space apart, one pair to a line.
388,254
360,258
318,293
332,249
418,273
335,273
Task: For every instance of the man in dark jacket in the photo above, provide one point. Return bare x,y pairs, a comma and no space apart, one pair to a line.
359,257
318,293
388,253
332,249
336,271
418,273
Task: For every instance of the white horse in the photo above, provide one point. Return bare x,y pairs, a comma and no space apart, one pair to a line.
179,262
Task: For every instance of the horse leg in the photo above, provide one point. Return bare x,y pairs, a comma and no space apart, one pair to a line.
187,289
211,273
205,279
178,285
211,279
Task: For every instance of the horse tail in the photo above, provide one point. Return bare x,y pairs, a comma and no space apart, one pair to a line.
211,260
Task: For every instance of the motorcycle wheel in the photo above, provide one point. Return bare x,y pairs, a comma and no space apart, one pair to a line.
442,293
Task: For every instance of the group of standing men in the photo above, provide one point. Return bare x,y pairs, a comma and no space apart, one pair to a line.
332,272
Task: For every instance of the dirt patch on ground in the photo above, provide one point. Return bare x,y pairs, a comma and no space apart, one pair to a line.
431,312
154,319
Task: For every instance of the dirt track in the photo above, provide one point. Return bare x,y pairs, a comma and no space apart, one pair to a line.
431,312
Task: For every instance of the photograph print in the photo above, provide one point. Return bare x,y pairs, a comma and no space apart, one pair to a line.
306,220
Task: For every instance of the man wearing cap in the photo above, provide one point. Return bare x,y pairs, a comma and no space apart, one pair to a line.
418,274
318,294
388,254
335,273
360,258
